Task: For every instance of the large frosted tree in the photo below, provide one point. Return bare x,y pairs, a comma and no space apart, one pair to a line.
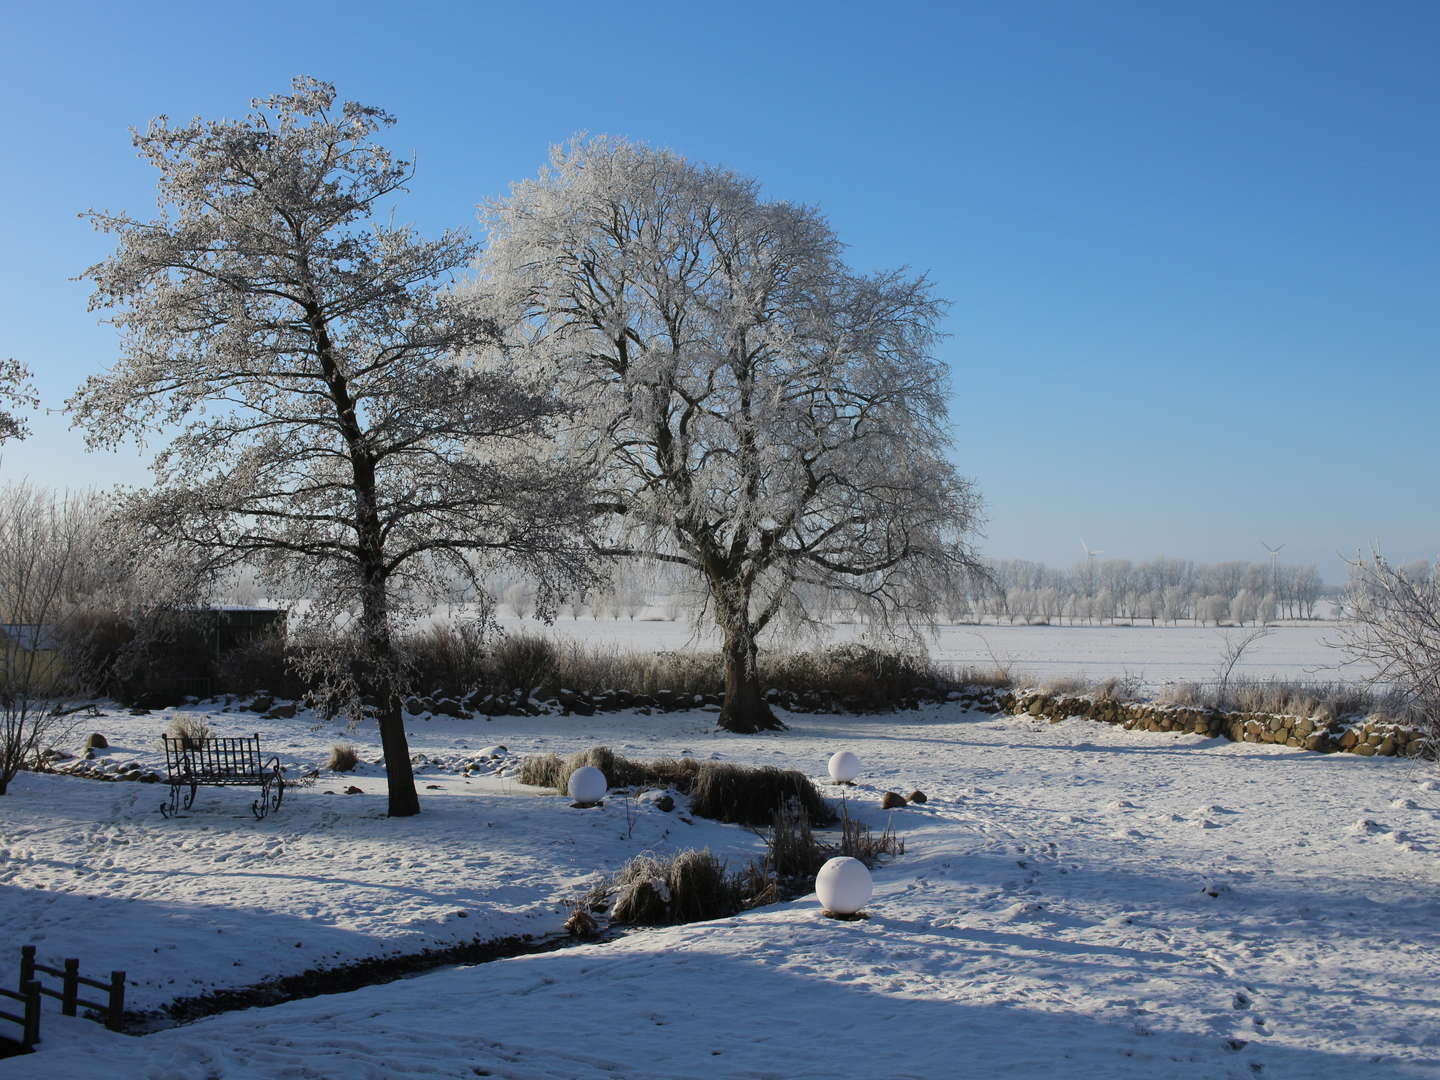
300,355
757,412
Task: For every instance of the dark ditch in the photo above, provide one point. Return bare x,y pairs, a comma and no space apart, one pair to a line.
372,971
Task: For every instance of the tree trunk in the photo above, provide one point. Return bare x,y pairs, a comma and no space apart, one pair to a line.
399,777
745,710
379,683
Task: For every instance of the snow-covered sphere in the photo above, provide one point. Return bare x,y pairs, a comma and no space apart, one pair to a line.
843,885
844,766
587,784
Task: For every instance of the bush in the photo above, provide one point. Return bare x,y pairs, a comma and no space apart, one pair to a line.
855,671
343,758
260,666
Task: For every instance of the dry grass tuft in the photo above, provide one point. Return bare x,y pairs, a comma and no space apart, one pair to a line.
189,729
343,758
1283,697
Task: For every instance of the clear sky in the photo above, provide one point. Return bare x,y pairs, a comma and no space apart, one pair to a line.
1193,249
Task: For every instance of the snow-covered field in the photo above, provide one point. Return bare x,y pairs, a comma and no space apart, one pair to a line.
1075,900
1153,655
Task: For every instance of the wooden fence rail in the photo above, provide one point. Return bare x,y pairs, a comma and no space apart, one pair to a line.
113,1007
29,1020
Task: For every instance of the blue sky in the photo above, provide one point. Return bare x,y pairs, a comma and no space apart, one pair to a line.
1193,249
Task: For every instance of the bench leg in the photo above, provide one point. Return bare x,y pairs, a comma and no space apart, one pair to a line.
272,794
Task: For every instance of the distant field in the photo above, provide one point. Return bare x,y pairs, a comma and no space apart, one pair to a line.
1154,655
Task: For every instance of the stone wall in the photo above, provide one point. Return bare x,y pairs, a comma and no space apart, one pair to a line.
1369,736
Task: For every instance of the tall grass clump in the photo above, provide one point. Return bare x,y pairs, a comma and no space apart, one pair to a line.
523,662
794,854
590,669
739,794
447,656
750,796
689,886
343,758
553,771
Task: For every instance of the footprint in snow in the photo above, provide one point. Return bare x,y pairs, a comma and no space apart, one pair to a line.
1367,827
1404,804
1120,804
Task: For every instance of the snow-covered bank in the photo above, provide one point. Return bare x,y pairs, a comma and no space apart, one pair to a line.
1073,897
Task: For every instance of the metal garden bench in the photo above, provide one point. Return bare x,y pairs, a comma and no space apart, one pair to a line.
220,762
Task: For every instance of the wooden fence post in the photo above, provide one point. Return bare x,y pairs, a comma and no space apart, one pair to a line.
31,991
69,1003
117,999
27,966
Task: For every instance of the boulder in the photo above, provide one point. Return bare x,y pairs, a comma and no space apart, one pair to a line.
892,800
96,742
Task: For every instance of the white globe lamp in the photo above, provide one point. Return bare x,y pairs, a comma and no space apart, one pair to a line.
844,767
587,785
843,886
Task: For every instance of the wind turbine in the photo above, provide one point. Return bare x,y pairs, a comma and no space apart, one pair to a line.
1274,573
1090,564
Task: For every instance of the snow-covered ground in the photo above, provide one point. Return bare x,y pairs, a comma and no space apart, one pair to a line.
1153,655
1075,900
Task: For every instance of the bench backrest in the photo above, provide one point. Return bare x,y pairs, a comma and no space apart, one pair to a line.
222,756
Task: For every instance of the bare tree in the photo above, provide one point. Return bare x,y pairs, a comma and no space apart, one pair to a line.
1392,622
306,356
1231,653
16,391
43,542
521,598
759,414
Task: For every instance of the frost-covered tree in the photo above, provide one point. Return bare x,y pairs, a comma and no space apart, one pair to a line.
16,391
303,354
1391,622
758,413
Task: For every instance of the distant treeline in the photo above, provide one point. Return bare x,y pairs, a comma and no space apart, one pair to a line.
1158,591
